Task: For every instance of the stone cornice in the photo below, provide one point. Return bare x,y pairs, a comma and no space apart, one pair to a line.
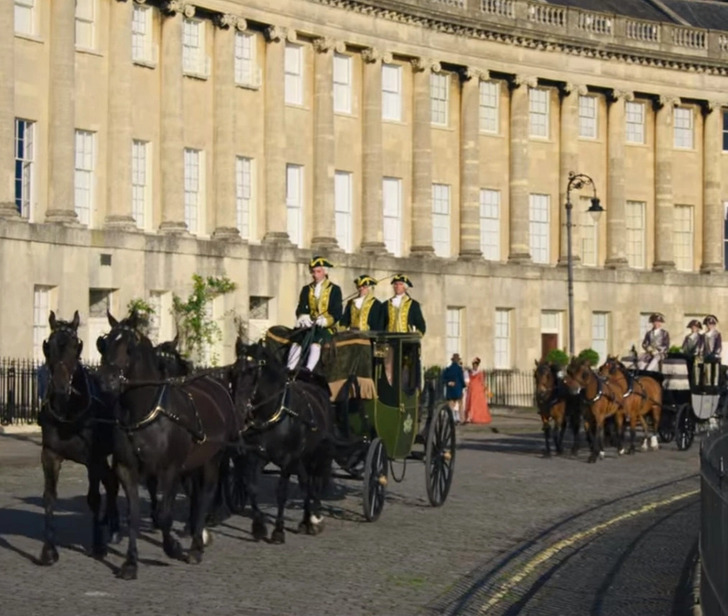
373,54
326,44
461,26
425,64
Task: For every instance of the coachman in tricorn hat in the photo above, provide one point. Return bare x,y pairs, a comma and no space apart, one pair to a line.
404,313
363,312
655,343
319,307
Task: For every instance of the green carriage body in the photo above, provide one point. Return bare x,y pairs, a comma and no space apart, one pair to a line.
388,368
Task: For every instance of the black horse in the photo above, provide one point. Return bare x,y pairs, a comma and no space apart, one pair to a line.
166,430
77,424
170,361
289,423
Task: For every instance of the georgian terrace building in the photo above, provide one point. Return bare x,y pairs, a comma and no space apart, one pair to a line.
143,142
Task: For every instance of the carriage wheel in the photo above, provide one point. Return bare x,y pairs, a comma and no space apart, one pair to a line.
375,480
440,456
684,427
234,486
666,430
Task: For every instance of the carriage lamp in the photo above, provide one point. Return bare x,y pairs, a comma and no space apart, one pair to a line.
577,181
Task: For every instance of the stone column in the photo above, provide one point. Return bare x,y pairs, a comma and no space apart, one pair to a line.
664,205
616,218
276,219
712,189
470,164
569,161
223,153
519,249
118,173
62,113
324,221
372,214
422,158
172,121
7,115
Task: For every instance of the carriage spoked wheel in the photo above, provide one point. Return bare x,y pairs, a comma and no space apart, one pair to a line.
684,427
440,456
375,479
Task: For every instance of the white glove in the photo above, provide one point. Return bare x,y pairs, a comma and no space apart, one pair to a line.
304,321
321,321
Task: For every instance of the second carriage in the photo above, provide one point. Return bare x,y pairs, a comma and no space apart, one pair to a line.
694,397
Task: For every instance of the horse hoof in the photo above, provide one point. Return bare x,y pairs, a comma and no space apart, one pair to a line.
260,532
278,537
99,552
49,556
206,537
546,453
592,459
173,549
127,571
194,557
602,455
115,538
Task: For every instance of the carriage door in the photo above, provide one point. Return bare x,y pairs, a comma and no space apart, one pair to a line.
99,301
551,327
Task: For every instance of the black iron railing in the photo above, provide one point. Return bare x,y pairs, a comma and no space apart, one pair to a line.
19,398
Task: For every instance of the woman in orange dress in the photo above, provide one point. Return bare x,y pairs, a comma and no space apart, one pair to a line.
476,408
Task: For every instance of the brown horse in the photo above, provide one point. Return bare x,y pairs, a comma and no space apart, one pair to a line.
641,396
557,406
601,399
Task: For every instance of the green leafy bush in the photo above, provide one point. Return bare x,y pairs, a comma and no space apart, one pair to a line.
557,357
433,373
591,356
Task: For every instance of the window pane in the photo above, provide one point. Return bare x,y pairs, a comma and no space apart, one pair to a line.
489,93
539,227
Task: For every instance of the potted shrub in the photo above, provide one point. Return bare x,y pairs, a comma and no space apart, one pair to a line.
558,358
591,356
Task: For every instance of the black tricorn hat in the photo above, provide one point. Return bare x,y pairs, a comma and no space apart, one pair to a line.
657,316
711,319
695,323
319,261
402,278
365,280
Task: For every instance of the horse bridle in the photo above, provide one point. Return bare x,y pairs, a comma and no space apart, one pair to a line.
123,379
249,421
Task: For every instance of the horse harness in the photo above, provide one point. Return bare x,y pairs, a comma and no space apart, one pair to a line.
251,424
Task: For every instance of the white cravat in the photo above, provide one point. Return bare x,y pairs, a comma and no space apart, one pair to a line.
358,302
397,300
317,289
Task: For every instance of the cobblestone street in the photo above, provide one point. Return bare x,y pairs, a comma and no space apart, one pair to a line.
506,506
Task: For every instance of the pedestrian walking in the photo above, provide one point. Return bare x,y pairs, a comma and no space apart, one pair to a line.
477,409
454,381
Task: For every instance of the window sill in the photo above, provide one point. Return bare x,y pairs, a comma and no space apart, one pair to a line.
90,52
634,144
443,127
198,76
538,139
247,86
486,133
398,122
145,63
32,38
300,106
344,114
681,149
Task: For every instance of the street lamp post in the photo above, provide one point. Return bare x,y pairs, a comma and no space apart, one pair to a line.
577,181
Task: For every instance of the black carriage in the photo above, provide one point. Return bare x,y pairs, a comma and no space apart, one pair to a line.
375,378
693,397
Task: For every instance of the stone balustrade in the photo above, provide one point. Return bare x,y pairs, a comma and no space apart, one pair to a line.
576,25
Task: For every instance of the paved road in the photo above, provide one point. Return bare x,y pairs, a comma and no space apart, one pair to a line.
519,534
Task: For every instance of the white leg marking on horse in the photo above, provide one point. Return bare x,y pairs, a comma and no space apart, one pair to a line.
621,452
316,519
602,455
644,444
654,444
205,537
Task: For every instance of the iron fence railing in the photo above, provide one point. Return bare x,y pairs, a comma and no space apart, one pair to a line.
513,388
713,523
19,398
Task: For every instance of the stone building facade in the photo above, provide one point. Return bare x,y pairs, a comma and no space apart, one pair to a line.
143,142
